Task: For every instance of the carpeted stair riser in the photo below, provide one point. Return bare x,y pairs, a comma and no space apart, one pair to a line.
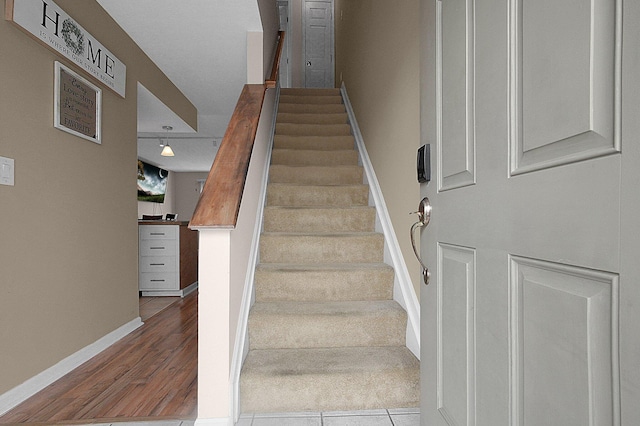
302,91
308,157
318,143
352,323
325,219
324,331
356,378
314,283
358,247
310,100
316,175
312,118
295,129
293,195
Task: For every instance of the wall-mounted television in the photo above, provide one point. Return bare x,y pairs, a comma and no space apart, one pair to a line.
152,182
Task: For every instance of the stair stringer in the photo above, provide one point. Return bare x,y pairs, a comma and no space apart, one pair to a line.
403,292
241,347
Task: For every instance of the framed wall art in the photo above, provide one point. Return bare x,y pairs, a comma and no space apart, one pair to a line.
152,182
77,106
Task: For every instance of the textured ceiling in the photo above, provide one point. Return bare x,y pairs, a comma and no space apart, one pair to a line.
201,46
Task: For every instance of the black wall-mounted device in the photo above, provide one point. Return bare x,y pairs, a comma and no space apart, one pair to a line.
424,163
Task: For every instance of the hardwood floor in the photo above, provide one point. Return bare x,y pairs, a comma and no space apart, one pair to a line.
149,374
151,305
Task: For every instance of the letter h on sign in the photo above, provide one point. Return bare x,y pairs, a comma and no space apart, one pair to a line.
45,17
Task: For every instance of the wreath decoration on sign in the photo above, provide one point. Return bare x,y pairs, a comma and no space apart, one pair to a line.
73,37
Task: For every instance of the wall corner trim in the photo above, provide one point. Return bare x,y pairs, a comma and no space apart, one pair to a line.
22,392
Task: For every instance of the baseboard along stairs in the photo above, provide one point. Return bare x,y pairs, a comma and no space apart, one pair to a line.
324,332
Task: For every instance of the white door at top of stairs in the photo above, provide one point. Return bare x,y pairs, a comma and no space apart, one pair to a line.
318,39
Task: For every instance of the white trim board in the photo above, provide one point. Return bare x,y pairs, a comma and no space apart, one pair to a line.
403,292
22,392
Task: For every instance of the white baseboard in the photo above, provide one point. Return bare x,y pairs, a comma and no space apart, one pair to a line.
182,292
190,289
403,291
22,392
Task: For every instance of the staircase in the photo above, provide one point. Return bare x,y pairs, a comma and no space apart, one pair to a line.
324,332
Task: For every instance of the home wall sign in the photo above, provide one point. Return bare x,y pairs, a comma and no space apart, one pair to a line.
53,27
77,106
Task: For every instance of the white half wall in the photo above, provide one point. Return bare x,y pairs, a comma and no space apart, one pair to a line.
227,260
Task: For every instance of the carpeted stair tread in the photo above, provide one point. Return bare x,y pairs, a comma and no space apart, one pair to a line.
353,378
316,175
319,219
361,247
292,194
295,129
312,118
309,157
309,91
313,142
323,282
352,323
324,332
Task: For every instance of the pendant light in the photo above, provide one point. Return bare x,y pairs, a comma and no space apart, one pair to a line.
166,150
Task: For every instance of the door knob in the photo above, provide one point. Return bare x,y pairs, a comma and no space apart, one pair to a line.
308,63
424,216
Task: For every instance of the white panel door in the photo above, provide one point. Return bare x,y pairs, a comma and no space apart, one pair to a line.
529,318
318,44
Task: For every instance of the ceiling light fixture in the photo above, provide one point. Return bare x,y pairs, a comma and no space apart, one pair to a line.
166,150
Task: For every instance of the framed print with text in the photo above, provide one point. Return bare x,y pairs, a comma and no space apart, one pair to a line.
77,105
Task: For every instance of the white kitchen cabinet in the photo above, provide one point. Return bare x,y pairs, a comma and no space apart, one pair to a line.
168,259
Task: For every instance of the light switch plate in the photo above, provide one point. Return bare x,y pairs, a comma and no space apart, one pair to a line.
6,171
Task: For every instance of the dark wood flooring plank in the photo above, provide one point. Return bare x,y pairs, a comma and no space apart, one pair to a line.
149,374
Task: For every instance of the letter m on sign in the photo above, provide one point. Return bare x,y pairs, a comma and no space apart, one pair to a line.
94,58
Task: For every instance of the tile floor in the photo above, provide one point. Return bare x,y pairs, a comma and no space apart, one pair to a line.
391,417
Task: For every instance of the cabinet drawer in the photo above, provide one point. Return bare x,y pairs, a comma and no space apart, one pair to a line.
158,264
158,248
158,281
158,232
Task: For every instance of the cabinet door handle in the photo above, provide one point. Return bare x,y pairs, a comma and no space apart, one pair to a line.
156,233
156,248
157,281
157,264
